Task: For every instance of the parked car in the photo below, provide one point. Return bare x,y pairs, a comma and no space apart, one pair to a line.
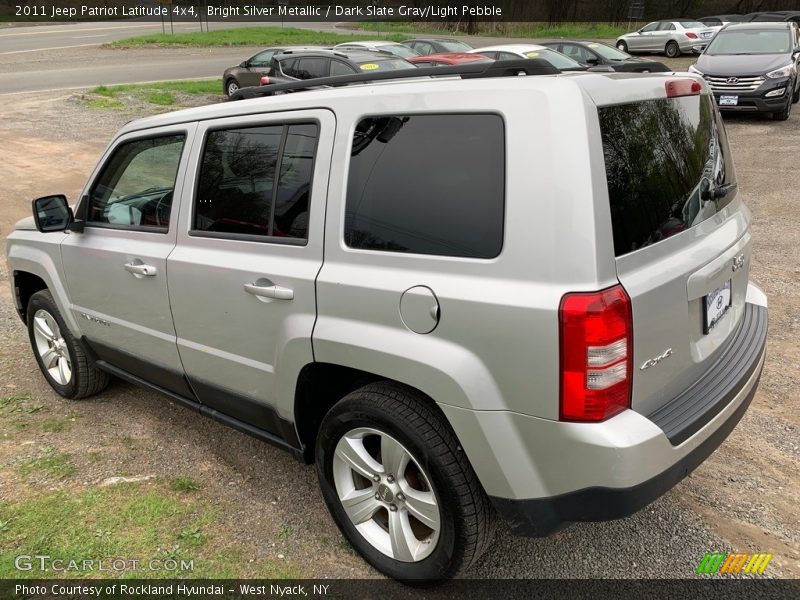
395,48
666,37
249,72
776,16
437,45
753,67
517,51
593,54
447,58
359,275
313,64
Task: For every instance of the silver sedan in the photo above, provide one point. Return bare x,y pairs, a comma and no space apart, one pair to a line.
667,37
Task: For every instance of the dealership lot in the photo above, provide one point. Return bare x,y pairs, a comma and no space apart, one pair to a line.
743,498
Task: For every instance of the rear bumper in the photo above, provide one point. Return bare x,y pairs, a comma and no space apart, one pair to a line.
721,398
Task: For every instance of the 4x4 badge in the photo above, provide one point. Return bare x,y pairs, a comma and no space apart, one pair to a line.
738,262
654,361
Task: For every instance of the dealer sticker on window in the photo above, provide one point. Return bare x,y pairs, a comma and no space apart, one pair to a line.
716,305
369,67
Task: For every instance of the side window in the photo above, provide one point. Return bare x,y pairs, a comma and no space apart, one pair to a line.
493,55
427,184
135,187
289,67
423,48
650,27
341,68
575,52
311,68
256,181
261,59
666,26
506,56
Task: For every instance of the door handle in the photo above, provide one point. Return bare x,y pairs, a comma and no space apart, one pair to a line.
140,269
276,292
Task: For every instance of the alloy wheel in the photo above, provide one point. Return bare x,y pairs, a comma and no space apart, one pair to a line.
52,347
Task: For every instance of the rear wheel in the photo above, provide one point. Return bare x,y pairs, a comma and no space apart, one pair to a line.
398,485
672,50
621,45
67,368
231,87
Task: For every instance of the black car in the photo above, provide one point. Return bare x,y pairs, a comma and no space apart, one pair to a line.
720,20
593,54
753,67
427,46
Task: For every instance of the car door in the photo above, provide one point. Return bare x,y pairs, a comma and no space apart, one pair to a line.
242,276
664,33
257,66
642,39
116,268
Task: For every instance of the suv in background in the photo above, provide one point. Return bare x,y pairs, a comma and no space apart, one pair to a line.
392,282
437,45
301,65
753,67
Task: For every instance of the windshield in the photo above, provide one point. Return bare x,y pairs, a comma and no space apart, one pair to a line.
609,52
392,64
749,42
398,50
558,60
456,46
692,24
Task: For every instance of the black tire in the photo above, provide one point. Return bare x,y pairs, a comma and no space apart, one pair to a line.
86,379
796,96
783,115
231,86
672,50
466,515
621,45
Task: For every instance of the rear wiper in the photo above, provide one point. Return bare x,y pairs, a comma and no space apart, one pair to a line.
719,192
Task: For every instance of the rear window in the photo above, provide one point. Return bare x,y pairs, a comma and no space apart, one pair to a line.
391,64
427,184
660,157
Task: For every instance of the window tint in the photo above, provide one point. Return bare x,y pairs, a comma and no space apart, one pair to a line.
341,68
310,68
135,186
662,156
427,184
261,59
238,191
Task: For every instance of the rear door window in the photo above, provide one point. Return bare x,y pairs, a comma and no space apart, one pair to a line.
662,156
427,184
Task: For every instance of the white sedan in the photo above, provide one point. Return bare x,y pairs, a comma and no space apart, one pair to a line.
517,51
667,37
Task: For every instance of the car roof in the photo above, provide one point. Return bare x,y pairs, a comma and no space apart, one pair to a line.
473,56
434,39
777,25
578,42
354,54
368,43
511,47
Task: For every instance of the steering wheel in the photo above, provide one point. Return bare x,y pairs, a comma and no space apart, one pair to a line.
167,200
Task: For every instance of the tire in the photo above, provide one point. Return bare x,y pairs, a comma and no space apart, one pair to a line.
398,419
621,45
672,50
796,96
71,373
783,115
231,87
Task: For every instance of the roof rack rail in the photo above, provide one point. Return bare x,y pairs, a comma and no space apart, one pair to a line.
500,68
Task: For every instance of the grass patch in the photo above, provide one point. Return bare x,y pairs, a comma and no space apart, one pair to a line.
125,520
53,465
184,484
245,36
105,103
160,93
521,30
56,425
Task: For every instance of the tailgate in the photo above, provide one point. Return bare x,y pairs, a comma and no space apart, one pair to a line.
682,254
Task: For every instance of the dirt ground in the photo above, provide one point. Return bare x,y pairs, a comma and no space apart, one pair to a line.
744,498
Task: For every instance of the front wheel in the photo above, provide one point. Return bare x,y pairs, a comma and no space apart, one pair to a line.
64,364
622,46
231,87
783,115
672,50
398,485
796,96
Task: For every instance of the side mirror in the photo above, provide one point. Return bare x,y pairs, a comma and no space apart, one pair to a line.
52,213
243,64
592,60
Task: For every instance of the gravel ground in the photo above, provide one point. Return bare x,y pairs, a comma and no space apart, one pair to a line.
743,498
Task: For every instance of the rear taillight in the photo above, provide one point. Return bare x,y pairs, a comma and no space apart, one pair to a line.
682,87
691,36
265,80
596,333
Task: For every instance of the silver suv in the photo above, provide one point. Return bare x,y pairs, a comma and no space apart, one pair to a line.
460,298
